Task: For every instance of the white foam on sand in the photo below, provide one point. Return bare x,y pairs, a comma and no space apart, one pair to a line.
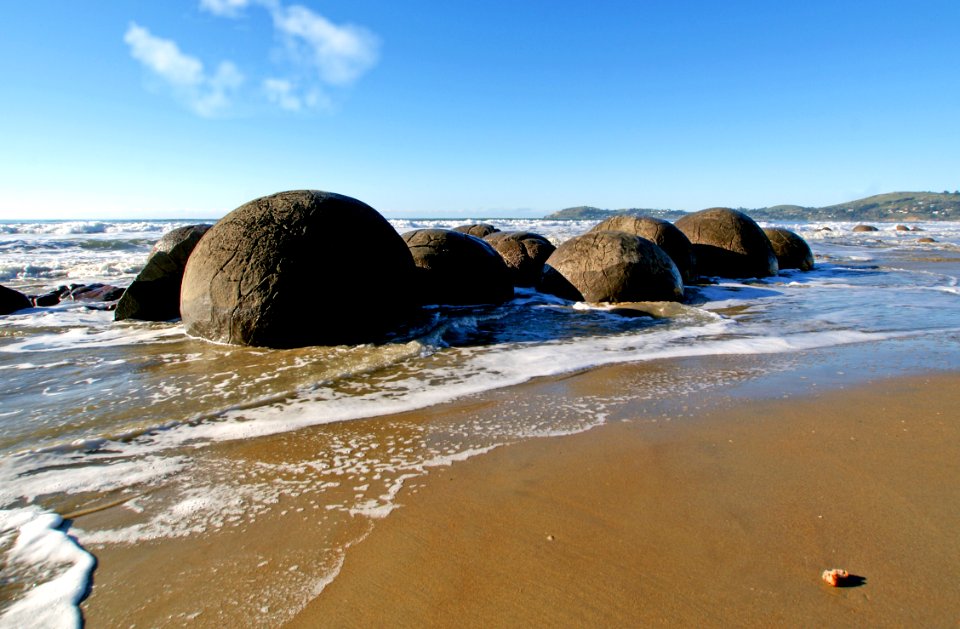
53,570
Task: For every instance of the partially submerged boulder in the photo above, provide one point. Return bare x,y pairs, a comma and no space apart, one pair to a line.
456,268
865,228
155,293
524,253
611,266
12,300
662,233
480,230
728,243
791,249
289,269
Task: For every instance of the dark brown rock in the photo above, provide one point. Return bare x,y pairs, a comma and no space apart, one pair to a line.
792,250
662,233
902,228
12,300
926,240
524,254
51,298
456,268
95,292
155,293
611,266
293,269
728,243
865,228
480,230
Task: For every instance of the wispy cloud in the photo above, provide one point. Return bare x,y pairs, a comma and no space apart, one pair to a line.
205,94
224,8
339,53
318,59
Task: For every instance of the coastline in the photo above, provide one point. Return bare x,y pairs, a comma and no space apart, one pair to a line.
726,517
736,474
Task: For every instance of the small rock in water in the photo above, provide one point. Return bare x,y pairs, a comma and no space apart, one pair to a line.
834,576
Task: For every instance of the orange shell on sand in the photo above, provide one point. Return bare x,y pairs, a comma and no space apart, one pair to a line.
834,576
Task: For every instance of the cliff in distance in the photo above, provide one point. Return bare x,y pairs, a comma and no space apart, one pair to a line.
890,207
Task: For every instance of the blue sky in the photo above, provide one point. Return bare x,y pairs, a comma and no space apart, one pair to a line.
190,108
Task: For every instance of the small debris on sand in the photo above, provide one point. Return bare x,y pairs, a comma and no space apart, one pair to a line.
834,576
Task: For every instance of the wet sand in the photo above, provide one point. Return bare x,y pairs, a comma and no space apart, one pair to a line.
722,513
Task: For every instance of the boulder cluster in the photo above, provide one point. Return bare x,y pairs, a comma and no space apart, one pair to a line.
307,267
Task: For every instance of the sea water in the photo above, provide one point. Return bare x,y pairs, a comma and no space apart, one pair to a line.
135,416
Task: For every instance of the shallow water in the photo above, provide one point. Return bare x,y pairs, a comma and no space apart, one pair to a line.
95,413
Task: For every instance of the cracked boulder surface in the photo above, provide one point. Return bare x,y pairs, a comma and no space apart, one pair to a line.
728,243
791,249
480,230
524,253
457,269
296,269
155,293
662,233
611,266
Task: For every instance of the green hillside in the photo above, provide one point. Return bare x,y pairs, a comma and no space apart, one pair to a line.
890,207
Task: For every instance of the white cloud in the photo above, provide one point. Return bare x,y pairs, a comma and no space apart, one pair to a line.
280,91
163,56
224,8
339,53
206,95
319,58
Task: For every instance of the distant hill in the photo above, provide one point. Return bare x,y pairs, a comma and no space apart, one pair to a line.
891,207
586,212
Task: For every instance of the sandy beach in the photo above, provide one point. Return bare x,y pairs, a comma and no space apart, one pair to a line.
724,514
716,508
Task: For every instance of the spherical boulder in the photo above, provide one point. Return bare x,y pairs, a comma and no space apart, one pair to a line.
865,228
662,233
295,269
480,230
457,269
792,250
12,300
728,243
155,293
524,254
611,266
902,228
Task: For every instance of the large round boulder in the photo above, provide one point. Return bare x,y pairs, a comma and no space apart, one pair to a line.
480,230
524,254
12,300
611,266
295,269
662,233
456,268
866,228
791,249
728,243
155,293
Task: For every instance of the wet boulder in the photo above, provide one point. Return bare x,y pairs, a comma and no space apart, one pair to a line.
50,298
295,269
95,292
902,228
792,250
456,268
480,230
155,293
662,233
12,300
728,243
865,228
524,253
611,266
